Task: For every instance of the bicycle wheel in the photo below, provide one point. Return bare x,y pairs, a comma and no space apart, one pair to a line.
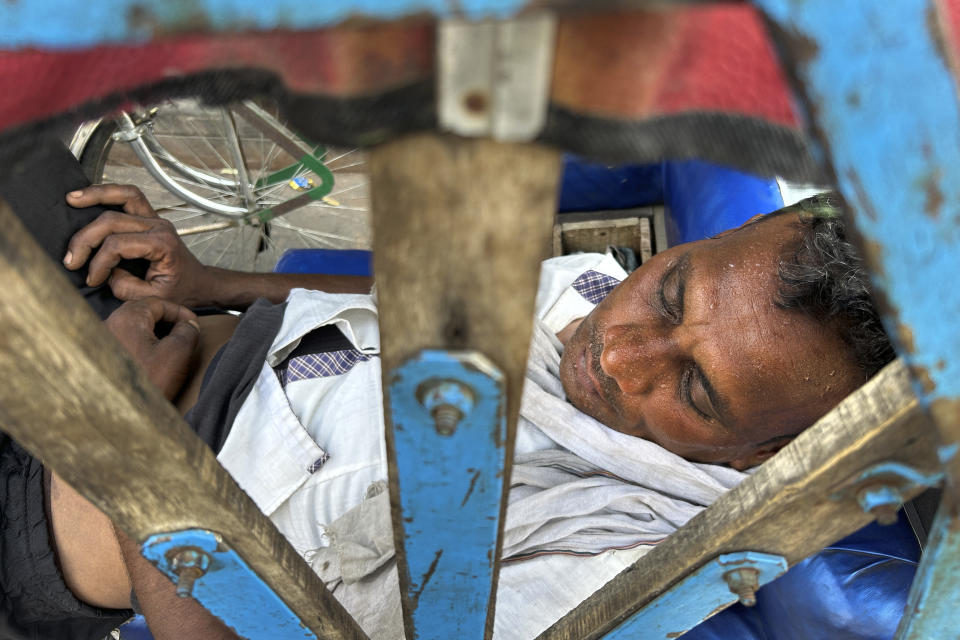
233,186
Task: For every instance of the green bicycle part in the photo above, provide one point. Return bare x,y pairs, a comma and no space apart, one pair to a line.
288,172
317,193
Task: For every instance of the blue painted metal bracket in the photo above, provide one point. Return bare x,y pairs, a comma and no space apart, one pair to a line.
204,568
68,24
882,489
703,593
449,421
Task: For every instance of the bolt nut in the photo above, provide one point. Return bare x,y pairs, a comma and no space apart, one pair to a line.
445,418
886,514
448,401
188,564
744,582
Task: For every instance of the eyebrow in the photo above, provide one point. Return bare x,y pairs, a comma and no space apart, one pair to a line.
718,402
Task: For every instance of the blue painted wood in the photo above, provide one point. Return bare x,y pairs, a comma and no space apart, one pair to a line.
68,24
697,597
879,86
450,489
229,589
886,102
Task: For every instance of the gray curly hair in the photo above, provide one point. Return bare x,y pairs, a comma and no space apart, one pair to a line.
826,278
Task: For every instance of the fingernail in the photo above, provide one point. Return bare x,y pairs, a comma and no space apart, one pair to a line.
194,324
67,259
75,194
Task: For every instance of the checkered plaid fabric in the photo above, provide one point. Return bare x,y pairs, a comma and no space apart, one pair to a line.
594,286
321,365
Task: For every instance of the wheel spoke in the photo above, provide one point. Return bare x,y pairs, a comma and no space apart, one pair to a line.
206,141
201,136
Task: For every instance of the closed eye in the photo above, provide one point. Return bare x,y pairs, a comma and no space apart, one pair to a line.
699,394
670,290
686,391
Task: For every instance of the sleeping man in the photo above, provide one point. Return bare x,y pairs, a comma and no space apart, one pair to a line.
646,397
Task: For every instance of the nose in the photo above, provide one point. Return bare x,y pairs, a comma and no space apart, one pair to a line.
636,358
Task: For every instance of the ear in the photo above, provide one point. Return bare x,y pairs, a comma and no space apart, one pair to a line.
759,455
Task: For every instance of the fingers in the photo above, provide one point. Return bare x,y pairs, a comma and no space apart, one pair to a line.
126,286
90,237
126,196
166,311
182,339
119,246
167,361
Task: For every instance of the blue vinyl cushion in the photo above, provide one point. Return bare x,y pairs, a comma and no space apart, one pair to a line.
855,589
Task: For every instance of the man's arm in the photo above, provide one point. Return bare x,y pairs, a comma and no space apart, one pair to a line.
101,563
174,273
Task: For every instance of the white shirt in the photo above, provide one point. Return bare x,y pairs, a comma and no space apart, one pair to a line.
306,453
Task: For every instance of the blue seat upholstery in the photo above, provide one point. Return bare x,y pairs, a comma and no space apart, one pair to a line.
339,262
855,589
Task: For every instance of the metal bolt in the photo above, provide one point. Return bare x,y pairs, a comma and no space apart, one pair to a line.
744,582
448,401
445,418
882,502
189,564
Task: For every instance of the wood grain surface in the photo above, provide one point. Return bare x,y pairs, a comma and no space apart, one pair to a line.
72,396
793,506
460,228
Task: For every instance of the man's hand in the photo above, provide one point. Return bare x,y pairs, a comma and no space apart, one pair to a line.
166,360
174,272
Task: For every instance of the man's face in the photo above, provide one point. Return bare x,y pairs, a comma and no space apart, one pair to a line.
692,353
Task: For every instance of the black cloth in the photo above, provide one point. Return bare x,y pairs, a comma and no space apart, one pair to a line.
34,179
233,372
35,603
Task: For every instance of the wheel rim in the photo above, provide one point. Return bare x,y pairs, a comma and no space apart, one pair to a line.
209,143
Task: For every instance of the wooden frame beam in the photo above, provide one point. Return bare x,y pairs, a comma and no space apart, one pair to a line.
74,398
793,506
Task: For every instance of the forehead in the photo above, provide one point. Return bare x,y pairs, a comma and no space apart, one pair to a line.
770,364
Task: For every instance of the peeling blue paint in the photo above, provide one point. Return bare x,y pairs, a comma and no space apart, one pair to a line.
450,488
228,588
946,453
697,597
896,152
69,24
